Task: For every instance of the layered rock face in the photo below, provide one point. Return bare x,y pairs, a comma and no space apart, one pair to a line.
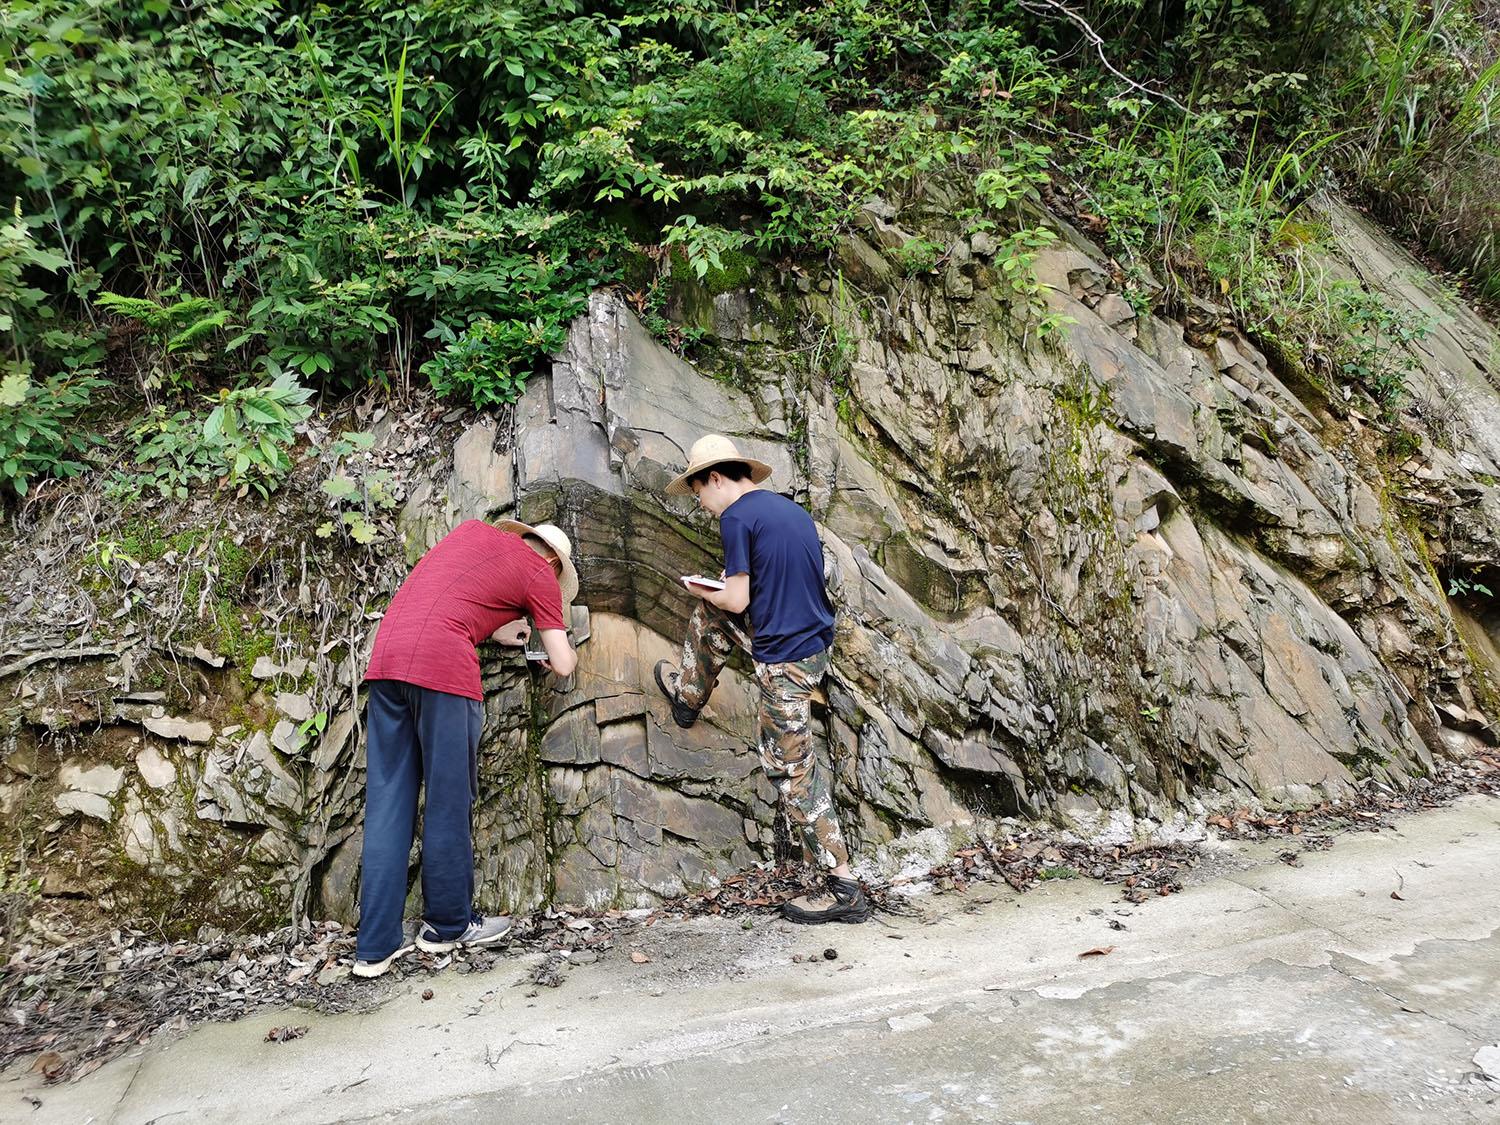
1108,574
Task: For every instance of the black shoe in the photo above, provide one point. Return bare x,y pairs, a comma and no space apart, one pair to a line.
843,901
683,715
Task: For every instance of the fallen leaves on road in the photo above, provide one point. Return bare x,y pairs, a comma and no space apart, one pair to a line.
81,1000
285,1034
1098,951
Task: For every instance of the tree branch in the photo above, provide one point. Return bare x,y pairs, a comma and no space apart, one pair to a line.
1048,7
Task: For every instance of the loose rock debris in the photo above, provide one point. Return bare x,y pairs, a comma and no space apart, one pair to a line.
549,973
73,1003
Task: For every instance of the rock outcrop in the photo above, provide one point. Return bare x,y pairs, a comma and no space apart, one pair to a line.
1110,575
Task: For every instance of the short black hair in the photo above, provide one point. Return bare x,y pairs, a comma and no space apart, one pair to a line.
729,470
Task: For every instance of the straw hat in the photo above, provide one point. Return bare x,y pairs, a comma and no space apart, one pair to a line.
557,539
709,451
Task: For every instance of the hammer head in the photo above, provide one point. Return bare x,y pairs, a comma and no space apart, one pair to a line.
580,631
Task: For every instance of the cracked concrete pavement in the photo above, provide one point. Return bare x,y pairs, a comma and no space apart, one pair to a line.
1263,992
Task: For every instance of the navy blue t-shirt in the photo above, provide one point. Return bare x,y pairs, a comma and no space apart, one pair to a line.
773,540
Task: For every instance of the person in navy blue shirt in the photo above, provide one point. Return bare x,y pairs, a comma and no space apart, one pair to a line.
773,567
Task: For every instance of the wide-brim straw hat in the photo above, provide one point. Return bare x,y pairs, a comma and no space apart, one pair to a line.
562,546
714,449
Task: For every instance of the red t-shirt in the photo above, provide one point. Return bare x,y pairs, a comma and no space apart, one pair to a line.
472,582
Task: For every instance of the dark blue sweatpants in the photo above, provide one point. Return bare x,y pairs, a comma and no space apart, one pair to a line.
417,735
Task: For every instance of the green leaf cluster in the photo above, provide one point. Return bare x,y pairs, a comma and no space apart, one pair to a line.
38,434
253,427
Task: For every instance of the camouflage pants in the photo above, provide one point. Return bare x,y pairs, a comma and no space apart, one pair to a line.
786,742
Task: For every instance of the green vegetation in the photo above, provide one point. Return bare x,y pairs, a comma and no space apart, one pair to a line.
232,206
353,492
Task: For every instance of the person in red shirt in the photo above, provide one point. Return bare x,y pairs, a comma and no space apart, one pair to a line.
479,583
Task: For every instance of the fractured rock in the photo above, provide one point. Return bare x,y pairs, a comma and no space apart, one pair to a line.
157,771
89,804
100,780
188,730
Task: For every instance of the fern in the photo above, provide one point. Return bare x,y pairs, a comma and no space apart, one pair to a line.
196,331
142,310
160,319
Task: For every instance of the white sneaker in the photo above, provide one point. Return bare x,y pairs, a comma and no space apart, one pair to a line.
380,968
481,931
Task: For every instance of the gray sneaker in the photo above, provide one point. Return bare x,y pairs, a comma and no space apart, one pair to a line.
481,931
381,967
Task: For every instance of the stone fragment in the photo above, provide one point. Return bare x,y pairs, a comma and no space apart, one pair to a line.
287,737
1461,718
958,285
188,730
295,706
22,760
138,835
334,739
1487,1059
1114,309
980,358
89,804
102,780
156,770
864,264
265,668
481,477
877,219
212,659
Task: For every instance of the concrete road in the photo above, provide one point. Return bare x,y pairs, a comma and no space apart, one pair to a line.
1263,993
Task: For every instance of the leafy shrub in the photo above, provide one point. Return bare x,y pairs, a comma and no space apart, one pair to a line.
18,253
917,255
253,427
172,455
703,246
327,326
488,365
39,431
762,87
1015,261
1373,341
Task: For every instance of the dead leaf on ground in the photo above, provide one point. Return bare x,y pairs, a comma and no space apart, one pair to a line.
50,1065
1397,897
282,1034
1098,951
639,958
